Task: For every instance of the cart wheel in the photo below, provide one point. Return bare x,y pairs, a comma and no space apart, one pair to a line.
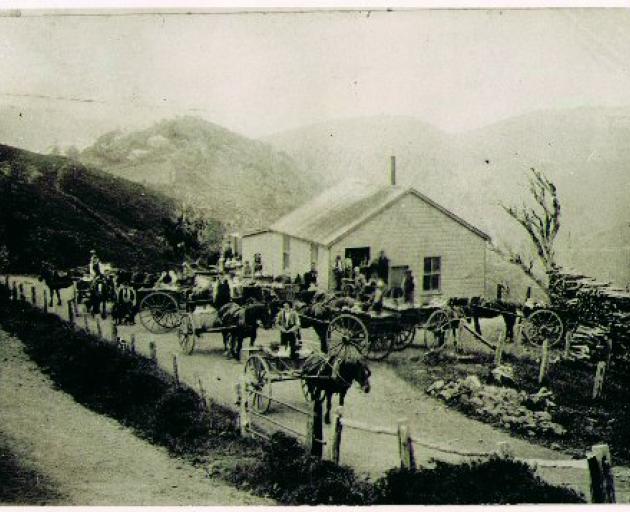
437,329
186,334
347,336
404,338
159,313
257,377
542,325
380,346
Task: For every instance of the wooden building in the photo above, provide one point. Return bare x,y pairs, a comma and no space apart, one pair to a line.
357,220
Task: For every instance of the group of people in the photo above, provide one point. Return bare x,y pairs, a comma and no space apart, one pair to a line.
378,269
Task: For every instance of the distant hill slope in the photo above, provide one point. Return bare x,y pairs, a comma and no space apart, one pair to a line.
55,209
243,182
585,151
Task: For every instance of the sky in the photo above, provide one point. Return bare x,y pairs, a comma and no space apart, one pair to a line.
262,73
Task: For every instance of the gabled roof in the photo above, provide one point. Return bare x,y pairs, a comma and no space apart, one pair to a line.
339,210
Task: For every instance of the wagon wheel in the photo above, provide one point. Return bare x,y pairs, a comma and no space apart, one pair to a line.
348,290
541,325
437,329
347,336
380,346
257,376
186,334
159,312
404,337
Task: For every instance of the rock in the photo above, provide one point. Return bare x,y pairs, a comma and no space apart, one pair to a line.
472,382
503,374
436,386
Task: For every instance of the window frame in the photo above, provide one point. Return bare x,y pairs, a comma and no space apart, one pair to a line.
434,272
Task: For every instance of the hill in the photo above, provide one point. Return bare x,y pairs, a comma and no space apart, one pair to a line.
583,150
243,182
56,209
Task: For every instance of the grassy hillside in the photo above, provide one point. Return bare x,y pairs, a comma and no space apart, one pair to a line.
244,182
56,209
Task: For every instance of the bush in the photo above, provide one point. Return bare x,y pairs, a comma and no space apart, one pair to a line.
496,481
287,474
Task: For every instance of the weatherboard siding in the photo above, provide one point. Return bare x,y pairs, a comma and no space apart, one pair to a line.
410,230
269,245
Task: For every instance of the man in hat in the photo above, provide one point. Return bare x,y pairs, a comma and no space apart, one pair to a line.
289,322
94,265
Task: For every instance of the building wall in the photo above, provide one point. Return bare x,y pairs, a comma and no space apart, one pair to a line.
411,230
269,245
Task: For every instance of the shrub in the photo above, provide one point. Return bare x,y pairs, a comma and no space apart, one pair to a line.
496,481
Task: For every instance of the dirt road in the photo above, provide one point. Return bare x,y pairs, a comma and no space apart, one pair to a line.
90,459
391,398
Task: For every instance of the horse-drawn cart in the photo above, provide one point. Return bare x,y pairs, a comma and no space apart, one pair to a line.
264,367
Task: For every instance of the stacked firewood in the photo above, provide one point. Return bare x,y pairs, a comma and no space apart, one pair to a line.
598,313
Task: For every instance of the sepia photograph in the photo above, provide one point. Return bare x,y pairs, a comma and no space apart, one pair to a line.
276,256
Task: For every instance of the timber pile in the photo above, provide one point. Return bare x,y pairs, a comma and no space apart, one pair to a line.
599,313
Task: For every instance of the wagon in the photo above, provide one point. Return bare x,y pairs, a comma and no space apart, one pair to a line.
373,335
188,332
538,323
161,309
265,367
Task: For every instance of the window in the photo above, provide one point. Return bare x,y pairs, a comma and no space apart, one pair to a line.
314,254
432,274
286,252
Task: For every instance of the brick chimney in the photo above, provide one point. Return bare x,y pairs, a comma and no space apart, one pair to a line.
392,170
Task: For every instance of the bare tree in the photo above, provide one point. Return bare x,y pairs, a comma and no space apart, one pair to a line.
541,222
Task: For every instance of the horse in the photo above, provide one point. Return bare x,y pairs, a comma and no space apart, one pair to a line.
326,376
98,296
242,322
55,280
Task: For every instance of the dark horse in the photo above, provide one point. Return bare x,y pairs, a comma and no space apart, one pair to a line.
99,294
242,322
55,280
326,376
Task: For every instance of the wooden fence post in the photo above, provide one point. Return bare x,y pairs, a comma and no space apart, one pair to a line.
498,353
315,430
153,351
132,344
568,337
99,330
544,361
14,291
45,301
504,450
602,482
202,391
405,446
518,336
175,370
6,281
33,296
114,330
70,312
85,324
243,417
598,384
75,307
22,294
335,447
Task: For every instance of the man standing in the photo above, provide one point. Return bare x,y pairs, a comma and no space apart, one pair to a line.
289,323
338,271
408,286
382,266
310,278
95,265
